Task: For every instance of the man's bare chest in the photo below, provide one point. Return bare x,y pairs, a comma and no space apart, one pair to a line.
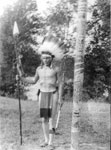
47,73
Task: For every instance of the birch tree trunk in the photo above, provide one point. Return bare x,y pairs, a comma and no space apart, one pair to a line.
1,53
78,73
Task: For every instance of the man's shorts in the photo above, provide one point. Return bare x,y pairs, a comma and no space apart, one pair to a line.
47,104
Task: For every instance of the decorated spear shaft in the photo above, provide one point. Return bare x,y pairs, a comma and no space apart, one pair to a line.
15,35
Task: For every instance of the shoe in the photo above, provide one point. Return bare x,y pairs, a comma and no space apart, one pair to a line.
44,145
51,147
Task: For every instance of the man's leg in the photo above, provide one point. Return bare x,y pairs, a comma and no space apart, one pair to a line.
50,131
45,126
54,107
52,120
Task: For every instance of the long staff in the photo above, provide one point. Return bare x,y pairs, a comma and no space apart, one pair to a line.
15,35
61,95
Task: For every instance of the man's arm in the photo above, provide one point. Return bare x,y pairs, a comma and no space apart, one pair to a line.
30,80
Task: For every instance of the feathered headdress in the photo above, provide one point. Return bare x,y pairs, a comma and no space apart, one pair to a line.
51,46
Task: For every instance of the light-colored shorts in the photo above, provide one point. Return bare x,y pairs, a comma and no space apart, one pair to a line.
47,104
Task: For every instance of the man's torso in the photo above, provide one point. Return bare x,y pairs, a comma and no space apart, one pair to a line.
47,79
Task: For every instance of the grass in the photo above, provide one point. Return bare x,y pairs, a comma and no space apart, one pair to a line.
94,126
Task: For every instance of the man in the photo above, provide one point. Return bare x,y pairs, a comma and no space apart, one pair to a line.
48,88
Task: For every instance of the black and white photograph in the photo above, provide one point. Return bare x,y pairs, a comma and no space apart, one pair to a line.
55,74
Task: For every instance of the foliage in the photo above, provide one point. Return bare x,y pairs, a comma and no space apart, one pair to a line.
59,20
30,24
97,59
98,55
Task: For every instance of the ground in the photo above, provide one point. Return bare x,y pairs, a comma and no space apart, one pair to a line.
94,126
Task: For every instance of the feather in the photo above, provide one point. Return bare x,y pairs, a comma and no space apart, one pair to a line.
52,45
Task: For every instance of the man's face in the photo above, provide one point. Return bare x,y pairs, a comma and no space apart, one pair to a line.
47,60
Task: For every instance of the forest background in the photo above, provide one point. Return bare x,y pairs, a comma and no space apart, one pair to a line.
61,22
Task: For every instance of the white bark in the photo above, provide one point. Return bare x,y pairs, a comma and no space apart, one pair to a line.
78,72
1,53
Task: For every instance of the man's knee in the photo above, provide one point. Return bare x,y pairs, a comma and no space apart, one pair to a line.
45,120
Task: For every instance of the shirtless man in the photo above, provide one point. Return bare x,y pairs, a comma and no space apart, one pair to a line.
48,97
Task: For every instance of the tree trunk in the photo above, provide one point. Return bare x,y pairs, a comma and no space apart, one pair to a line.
78,73
1,54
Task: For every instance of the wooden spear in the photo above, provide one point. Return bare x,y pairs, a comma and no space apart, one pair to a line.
15,35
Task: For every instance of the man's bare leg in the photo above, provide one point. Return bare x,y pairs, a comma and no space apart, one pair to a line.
54,112
45,126
50,132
